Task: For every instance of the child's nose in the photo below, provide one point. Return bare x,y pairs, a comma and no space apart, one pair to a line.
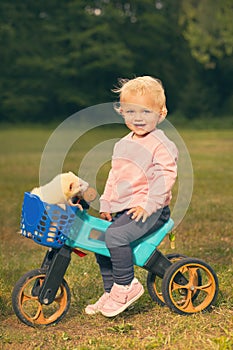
138,119
138,116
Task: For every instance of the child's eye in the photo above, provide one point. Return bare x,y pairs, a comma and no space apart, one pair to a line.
147,111
130,112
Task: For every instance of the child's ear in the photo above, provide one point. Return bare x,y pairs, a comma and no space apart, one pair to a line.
117,107
163,114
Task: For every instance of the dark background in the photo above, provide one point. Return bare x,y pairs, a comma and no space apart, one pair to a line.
57,57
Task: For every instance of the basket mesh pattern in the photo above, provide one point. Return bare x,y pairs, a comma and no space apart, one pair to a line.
46,224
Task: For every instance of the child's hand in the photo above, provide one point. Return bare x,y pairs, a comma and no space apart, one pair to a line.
106,216
138,213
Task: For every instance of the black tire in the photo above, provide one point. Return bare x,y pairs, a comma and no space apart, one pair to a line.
190,286
27,306
154,282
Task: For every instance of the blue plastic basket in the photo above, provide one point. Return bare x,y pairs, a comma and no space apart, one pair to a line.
47,224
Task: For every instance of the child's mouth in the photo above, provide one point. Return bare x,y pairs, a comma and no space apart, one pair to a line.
139,125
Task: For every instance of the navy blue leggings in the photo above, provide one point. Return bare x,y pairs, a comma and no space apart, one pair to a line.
119,268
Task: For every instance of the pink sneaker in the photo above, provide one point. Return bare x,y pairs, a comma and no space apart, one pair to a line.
121,297
95,308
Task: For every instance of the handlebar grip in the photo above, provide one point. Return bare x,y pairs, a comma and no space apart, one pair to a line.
89,195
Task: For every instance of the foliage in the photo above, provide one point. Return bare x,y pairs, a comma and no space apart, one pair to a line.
60,56
209,29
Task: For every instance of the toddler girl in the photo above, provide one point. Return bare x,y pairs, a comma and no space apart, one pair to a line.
137,191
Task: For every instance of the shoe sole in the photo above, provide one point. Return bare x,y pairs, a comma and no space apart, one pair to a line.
117,312
92,312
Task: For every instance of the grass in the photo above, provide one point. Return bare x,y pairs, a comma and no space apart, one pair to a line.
205,232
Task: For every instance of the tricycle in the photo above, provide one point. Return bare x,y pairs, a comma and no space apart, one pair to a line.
42,296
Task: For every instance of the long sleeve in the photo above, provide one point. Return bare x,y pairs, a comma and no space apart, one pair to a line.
163,177
105,205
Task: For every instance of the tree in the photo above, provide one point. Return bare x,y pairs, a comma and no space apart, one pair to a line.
60,56
208,28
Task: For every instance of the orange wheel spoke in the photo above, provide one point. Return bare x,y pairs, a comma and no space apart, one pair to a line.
188,304
39,316
186,301
176,286
193,275
183,269
207,288
25,298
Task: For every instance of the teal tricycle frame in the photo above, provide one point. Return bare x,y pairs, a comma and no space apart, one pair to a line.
42,296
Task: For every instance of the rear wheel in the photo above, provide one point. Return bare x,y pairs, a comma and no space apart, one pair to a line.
183,292
26,304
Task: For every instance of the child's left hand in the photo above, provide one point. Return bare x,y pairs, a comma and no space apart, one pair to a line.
138,213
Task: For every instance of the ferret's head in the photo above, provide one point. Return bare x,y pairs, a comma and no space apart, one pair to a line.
72,185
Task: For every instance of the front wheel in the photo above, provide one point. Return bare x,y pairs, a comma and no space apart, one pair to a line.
183,292
26,304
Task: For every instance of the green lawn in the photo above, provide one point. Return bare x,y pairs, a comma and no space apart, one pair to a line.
205,232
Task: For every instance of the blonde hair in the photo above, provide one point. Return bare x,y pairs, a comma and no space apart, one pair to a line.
145,85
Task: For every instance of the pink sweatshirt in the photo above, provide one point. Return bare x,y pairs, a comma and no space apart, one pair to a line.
142,174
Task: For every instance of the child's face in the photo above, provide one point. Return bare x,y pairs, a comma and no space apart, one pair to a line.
140,114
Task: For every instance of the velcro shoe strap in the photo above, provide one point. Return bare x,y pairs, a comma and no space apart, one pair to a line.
119,298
